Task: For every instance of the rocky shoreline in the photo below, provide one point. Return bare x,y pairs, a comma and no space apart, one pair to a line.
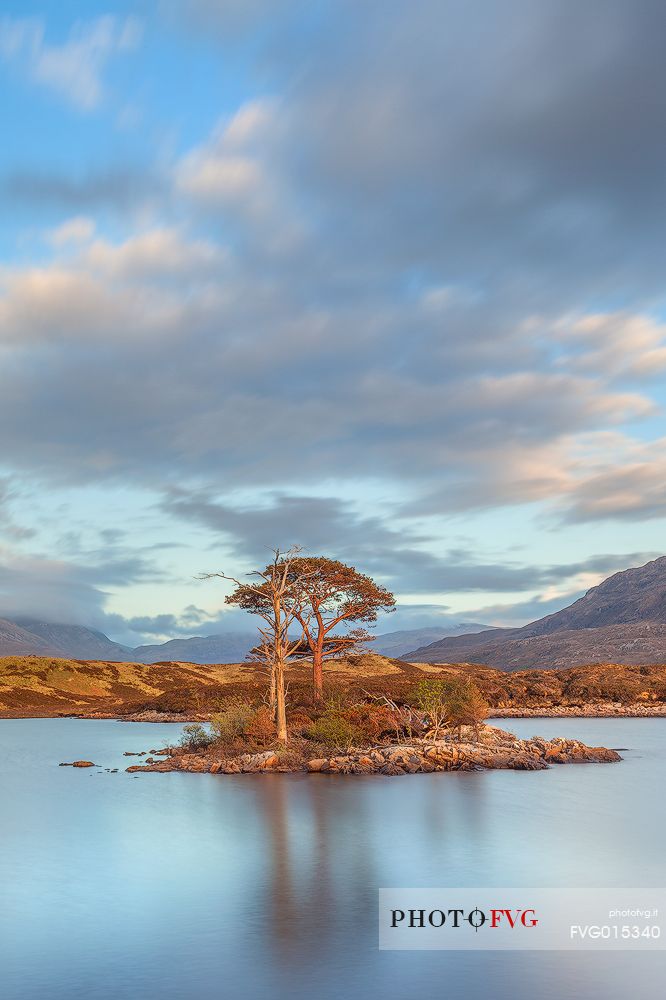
495,749
599,710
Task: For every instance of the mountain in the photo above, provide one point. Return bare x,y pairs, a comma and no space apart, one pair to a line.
18,641
26,636
395,644
72,641
229,647
622,620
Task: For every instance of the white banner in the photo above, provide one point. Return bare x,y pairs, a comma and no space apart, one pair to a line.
522,919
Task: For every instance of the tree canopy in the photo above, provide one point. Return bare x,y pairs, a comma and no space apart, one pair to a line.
333,595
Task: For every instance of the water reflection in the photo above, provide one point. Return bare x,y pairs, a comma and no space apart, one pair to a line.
167,886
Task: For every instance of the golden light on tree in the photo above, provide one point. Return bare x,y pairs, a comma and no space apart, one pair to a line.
332,594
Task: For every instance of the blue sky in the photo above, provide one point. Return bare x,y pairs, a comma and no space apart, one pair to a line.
385,280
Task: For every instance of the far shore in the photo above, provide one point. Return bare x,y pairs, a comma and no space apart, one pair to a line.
604,710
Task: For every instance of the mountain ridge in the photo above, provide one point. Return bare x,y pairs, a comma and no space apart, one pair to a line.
24,635
621,620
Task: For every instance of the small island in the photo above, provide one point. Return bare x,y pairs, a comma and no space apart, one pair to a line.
438,726
491,749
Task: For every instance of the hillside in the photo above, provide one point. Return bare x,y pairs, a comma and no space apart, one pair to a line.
41,686
230,647
396,644
18,641
622,620
75,641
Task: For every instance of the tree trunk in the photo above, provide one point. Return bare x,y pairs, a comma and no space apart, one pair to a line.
272,700
280,704
318,671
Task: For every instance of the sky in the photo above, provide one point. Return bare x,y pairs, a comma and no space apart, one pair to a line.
386,280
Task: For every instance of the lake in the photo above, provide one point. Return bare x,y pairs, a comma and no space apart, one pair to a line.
175,886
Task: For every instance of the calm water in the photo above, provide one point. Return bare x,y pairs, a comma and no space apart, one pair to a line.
179,886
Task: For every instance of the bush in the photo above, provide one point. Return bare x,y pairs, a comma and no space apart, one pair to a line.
335,730
261,726
299,722
432,697
373,721
455,701
466,707
232,721
622,689
195,736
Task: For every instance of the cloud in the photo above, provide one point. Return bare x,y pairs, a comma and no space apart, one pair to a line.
627,486
618,345
73,69
398,554
107,291
189,621
163,253
66,591
241,353
236,175
440,286
120,188
78,229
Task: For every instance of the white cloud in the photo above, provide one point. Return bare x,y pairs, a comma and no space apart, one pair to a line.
617,344
617,478
230,165
79,229
158,253
73,68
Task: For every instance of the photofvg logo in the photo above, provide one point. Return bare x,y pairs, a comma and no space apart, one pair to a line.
522,919
475,918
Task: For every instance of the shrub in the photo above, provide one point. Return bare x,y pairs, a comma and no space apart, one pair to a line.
339,696
466,706
261,726
455,701
373,720
299,722
233,720
432,697
622,689
335,730
195,736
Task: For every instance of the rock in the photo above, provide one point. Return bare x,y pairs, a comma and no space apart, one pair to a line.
494,749
251,762
82,763
391,769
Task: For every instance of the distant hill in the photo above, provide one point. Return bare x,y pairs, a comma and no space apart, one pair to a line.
27,635
622,620
396,644
18,641
73,641
228,647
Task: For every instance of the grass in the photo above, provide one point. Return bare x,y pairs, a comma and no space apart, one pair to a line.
33,685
